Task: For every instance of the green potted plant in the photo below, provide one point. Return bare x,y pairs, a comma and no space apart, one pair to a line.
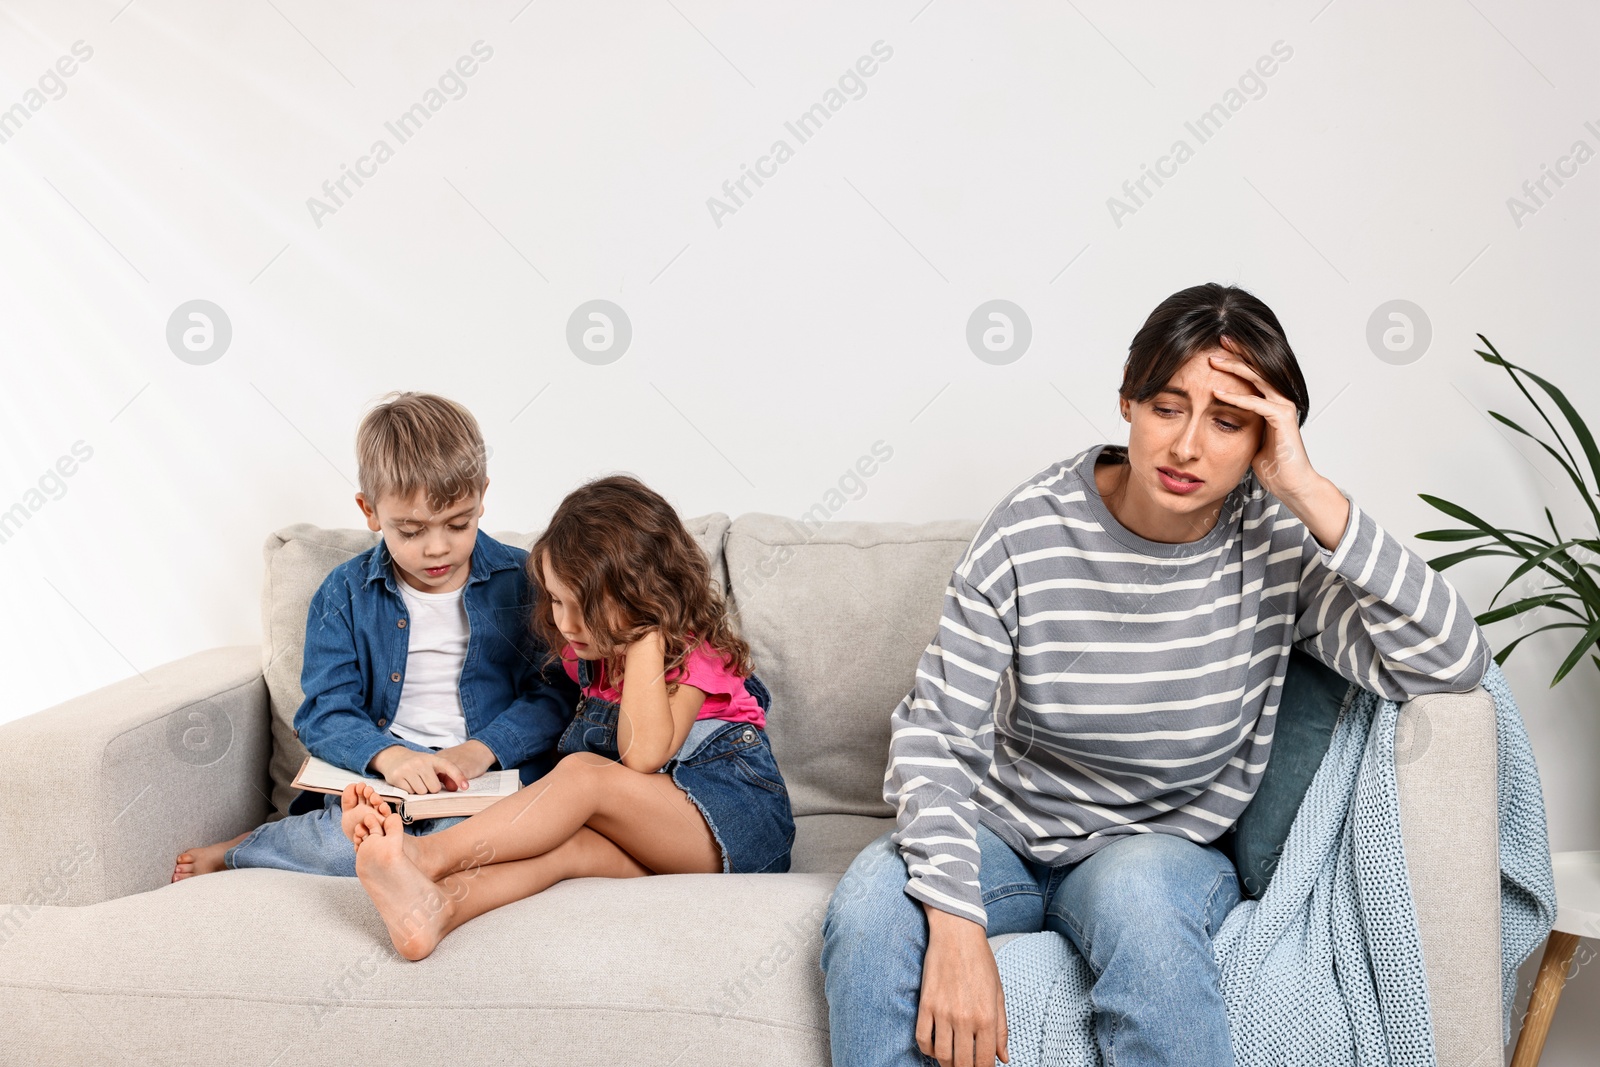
1574,590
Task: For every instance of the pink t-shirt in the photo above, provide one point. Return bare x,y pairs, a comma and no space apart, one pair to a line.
726,696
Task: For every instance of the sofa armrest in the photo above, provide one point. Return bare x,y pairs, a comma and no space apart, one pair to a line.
1447,768
103,792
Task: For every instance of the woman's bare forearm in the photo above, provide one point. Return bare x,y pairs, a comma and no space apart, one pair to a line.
961,1015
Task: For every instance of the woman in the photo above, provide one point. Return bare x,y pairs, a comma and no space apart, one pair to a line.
1098,704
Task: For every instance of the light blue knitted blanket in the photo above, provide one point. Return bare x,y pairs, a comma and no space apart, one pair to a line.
1326,968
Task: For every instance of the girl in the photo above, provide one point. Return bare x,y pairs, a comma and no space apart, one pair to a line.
1098,706
665,766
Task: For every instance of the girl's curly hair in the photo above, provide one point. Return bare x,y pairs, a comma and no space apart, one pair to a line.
623,550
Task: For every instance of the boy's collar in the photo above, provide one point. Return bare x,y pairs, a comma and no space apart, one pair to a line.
488,556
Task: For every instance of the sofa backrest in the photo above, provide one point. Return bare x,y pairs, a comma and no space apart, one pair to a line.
837,615
298,558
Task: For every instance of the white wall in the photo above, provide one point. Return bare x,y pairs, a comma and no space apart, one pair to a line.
775,345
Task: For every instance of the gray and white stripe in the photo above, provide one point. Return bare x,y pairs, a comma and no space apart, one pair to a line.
1086,683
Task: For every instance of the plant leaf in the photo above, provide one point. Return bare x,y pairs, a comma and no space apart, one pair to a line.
1450,559
1577,479
1449,535
1581,580
1507,611
1585,439
1455,511
1590,636
1505,653
1558,551
1579,428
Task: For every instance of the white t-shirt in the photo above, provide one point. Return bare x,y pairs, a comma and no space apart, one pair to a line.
430,700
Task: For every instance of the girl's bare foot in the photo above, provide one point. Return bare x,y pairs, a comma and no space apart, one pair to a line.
416,912
363,812
207,860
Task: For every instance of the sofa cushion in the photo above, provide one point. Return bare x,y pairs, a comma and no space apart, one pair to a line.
1313,697
298,558
837,615
278,967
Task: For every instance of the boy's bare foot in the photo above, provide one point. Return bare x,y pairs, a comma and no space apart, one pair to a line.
415,910
207,860
363,812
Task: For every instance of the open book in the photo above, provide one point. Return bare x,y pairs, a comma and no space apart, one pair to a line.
320,776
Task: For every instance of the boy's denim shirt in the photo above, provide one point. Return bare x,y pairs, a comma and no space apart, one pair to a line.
355,663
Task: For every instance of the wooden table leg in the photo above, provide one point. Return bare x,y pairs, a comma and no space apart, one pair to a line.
1547,987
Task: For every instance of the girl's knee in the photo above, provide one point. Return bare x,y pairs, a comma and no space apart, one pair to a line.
590,852
587,773
578,763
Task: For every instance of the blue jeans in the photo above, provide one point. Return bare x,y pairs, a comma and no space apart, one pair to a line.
312,843
1142,912
726,769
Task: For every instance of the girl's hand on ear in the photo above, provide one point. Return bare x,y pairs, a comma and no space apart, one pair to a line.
651,726
1281,464
650,639
647,652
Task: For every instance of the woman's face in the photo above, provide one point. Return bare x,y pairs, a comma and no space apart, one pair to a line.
1187,448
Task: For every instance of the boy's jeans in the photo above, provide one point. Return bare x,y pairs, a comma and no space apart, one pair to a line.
1141,911
312,843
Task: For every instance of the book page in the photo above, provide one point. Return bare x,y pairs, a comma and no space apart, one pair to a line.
496,783
323,777
483,792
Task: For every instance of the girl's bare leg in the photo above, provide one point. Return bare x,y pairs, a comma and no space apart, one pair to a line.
418,912
647,815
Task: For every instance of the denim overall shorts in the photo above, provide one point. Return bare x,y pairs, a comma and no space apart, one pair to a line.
727,770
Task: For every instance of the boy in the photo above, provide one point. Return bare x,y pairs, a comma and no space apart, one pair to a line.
420,663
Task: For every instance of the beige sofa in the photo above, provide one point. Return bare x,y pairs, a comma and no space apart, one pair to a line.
103,962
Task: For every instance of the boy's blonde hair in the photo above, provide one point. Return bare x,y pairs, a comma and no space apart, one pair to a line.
414,441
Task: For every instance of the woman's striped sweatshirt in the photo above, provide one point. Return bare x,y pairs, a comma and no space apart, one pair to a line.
1086,683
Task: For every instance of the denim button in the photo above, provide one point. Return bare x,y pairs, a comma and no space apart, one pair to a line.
395,677
401,624
749,734
383,722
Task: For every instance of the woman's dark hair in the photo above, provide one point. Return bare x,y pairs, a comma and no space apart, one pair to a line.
1196,319
623,551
